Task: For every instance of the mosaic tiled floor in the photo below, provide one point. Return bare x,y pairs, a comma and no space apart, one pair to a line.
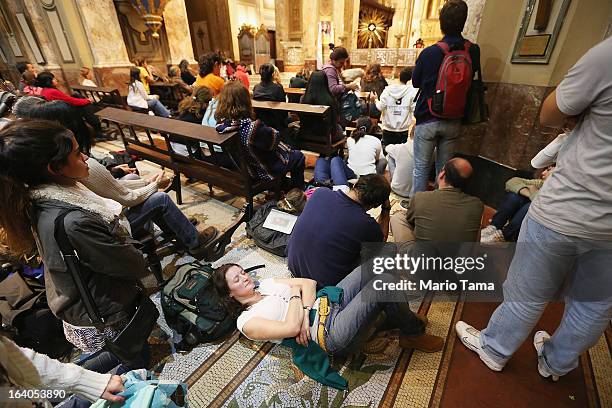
243,373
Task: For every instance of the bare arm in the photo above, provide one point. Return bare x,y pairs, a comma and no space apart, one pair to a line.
551,115
308,288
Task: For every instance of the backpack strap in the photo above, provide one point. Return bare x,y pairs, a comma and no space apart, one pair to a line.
467,45
444,46
72,261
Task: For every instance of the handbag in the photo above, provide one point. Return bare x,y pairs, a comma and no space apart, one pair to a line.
476,109
128,344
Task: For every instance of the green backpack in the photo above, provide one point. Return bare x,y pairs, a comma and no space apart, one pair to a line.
192,307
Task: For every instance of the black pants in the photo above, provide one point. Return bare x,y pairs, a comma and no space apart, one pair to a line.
389,137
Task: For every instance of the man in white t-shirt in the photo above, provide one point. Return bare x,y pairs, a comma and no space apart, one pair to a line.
400,159
565,237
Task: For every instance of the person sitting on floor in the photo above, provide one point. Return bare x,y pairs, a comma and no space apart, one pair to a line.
443,215
267,157
210,73
174,76
280,309
506,223
186,74
138,96
268,90
400,159
364,157
396,104
326,240
242,76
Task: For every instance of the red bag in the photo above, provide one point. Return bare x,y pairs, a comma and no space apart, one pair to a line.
454,81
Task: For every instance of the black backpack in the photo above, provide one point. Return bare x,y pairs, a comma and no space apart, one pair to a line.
351,108
27,319
192,307
269,240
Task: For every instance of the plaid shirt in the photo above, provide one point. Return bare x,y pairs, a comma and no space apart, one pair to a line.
259,144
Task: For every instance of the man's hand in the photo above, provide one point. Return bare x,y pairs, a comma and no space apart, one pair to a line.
373,96
304,335
127,169
114,386
161,179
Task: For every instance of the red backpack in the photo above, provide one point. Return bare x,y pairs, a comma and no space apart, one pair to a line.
453,84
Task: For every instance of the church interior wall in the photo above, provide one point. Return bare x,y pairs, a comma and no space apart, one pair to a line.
516,91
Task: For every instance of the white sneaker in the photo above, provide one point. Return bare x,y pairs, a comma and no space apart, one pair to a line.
470,337
496,236
539,339
488,230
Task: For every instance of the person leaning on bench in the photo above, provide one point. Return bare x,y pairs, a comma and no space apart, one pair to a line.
267,157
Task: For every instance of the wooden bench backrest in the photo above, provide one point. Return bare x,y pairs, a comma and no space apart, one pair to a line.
169,93
160,150
101,96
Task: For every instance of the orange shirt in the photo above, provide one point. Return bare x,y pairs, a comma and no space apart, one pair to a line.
211,81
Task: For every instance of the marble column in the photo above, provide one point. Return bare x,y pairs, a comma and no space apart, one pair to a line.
281,19
111,62
472,25
177,31
310,26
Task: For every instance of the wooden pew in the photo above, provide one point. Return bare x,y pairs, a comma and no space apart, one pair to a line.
322,144
235,180
101,96
169,93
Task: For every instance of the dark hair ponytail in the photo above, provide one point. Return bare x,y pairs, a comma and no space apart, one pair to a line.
27,149
364,124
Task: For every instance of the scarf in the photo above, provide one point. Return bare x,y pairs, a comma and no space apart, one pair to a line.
79,196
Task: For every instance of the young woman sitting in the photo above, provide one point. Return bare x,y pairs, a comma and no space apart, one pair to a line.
278,308
269,90
139,98
266,156
40,168
365,157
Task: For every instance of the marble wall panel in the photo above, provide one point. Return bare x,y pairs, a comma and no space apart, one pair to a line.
512,135
177,31
103,32
114,77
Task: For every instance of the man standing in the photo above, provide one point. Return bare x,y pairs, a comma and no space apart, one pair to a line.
432,132
565,237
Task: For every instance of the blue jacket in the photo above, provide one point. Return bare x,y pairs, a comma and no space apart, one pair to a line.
425,74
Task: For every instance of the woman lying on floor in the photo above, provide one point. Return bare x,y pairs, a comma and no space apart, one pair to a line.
280,308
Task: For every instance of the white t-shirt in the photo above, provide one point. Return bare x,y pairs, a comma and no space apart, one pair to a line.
576,199
273,306
137,95
363,154
403,155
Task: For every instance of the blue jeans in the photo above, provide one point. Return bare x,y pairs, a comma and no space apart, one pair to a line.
334,169
295,165
158,108
512,209
543,261
361,303
440,135
160,209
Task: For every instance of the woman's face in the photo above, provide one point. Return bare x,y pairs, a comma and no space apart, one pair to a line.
239,282
75,167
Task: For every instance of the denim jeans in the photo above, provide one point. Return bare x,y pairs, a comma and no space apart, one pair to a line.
440,135
361,303
160,209
334,169
295,166
158,108
543,261
512,209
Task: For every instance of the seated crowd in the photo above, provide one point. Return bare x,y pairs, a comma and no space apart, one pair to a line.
46,174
